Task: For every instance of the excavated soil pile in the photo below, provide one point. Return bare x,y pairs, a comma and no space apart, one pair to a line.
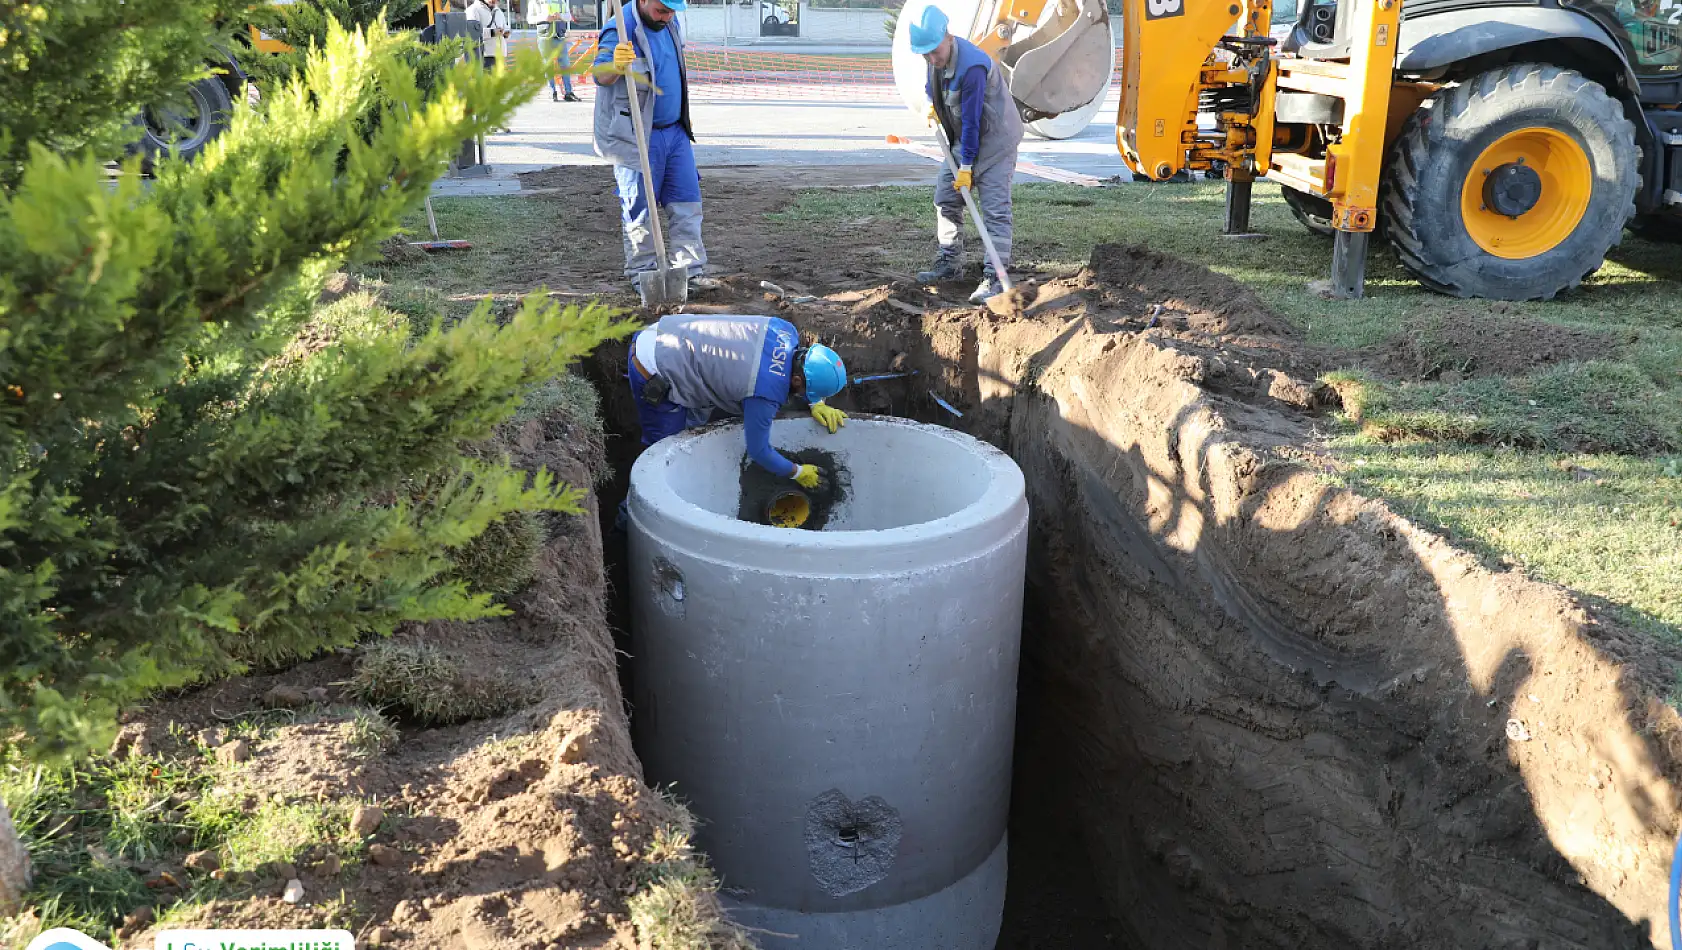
522,831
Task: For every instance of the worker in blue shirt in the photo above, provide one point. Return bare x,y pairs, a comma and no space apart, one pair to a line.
980,119
688,366
651,45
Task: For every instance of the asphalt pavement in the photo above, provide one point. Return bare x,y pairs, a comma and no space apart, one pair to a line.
819,133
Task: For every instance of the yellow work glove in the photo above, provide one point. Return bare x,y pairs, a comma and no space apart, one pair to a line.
932,119
624,54
964,179
829,417
806,476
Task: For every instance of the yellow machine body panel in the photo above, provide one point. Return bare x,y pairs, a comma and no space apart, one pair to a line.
1165,45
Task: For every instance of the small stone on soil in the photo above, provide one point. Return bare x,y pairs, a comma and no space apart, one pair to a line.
384,855
205,861
284,697
236,751
212,738
133,740
140,917
575,748
377,937
366,820
294,891
331,865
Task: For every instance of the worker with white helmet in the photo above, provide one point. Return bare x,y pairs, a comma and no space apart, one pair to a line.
981,121
688,366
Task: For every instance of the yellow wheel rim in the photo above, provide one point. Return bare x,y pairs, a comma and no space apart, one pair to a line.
1515,220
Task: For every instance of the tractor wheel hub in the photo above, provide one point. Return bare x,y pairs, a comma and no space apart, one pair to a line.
1512,189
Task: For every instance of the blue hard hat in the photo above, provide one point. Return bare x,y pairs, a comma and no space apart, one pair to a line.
929,30
825,373
676,6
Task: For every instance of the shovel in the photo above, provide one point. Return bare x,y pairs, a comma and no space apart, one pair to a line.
664,286
974,212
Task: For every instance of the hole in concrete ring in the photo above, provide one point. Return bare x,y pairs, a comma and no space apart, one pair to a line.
848,836
668,586
789,509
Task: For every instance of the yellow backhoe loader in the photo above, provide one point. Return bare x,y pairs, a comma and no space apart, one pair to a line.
1501,147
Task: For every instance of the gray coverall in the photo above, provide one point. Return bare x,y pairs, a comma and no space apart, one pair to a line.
995,162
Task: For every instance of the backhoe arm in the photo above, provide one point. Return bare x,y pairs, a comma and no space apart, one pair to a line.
1165,47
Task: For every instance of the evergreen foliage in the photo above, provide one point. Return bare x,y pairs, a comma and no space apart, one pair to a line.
75,73
305,24
188,483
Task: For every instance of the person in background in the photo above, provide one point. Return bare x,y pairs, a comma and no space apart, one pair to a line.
984,128
553,18
651,45
689,366
493,29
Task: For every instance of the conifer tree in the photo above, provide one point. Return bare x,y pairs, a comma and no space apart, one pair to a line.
188,486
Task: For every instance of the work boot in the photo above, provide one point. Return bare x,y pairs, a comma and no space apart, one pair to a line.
945,268
989,287
554,96
570,97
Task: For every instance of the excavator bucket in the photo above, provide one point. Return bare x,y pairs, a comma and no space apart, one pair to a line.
1056,58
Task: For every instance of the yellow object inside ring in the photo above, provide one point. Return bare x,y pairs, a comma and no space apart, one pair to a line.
1566,180
789,510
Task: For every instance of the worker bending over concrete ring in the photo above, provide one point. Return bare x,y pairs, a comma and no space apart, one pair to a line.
980,119
689,366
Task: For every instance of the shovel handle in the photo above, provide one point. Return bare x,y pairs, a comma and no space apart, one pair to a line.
642,147
974,212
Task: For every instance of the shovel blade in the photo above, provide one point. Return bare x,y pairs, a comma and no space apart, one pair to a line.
663,288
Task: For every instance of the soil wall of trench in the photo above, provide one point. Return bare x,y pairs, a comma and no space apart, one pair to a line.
1287,716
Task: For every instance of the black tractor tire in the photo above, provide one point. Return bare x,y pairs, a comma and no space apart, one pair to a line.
1437,151
1314,212
203,113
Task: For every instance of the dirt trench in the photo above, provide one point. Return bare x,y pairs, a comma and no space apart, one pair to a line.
1283,716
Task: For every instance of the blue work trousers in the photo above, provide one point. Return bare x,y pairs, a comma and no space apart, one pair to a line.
663,419
557,43
677,189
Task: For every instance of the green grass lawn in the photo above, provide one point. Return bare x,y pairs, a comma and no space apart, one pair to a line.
1495,462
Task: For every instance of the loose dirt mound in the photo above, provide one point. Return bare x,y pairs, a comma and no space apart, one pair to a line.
1453,343
526,831
1136,280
